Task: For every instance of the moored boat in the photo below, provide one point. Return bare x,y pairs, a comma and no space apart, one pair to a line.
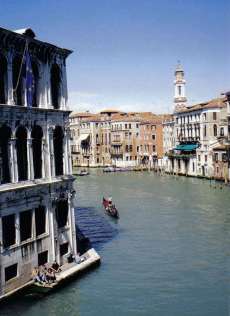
109,169
110,208
81,173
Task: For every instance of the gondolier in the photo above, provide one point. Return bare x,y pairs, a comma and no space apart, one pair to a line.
110,208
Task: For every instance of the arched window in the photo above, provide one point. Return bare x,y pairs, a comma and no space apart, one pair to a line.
58,150
21,147
205,131
37,135
5,134
55,85
36,78
62,213
3,79
17,80
214,130
40,220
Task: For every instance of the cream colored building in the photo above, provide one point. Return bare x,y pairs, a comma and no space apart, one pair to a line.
195,132
37,222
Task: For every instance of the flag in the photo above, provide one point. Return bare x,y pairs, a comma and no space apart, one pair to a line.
30,82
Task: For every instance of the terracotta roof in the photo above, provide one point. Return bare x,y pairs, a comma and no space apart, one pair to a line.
214,103
81,114
110,111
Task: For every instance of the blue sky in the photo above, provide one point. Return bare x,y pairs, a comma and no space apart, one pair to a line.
125,51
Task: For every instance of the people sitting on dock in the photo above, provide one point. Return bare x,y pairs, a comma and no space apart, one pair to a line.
44,274
56,267
80,258
36,275
50,276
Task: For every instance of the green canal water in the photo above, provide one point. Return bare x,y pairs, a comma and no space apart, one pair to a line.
168,255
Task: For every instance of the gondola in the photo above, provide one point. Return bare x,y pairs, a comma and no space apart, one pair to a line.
110,208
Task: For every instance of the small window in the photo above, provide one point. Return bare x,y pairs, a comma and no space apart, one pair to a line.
8,230
62,213
11,272
64,248
214,116
224,157
42,258
40,220
214,129
205,158
25,225
153,137
205,131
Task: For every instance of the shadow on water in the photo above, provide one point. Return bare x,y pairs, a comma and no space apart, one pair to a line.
95,226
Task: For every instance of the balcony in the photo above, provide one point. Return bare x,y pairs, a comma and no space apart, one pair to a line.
116,142
115,153
180,155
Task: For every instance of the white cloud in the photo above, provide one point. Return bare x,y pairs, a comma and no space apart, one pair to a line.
89,101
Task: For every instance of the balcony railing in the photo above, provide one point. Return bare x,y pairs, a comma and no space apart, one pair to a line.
180,155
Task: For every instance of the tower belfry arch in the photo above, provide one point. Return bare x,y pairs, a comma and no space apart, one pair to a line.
180,98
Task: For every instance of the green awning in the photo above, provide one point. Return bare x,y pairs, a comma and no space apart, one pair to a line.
186,147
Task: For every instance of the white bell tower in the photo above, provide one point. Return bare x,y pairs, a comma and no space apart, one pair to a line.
179,84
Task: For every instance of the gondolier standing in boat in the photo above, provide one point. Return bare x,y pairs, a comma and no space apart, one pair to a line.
110,207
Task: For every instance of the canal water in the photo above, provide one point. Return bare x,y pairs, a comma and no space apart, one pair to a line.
167,255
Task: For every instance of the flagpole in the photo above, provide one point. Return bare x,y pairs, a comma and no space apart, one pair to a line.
20,70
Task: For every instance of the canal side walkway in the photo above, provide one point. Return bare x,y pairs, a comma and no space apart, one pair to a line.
69,271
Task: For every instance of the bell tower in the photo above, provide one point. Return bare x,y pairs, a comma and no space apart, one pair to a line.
179,84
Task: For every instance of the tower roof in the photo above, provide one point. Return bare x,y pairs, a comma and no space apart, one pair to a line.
179,67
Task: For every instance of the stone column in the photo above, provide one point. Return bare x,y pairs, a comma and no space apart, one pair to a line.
46,86
69,154
40,87
33,228
10,96
1,240
13,164
65,160
17,227
30,159
64,94
50,211
72,231
43,144
51,153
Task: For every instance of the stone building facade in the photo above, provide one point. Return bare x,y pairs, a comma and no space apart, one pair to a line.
194,136
37,223
116,138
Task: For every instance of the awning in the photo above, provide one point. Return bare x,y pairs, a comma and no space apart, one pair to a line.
82,138
186,147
